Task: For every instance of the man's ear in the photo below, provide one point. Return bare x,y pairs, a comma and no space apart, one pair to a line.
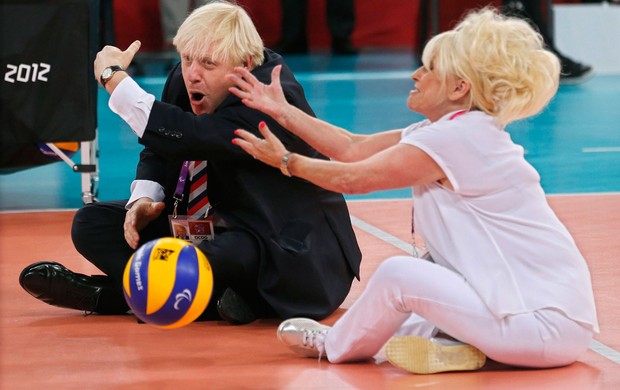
248,63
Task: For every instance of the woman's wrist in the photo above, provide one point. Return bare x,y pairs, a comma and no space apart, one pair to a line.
284,116
284,164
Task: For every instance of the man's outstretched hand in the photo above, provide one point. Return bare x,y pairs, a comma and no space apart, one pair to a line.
141,213
111,55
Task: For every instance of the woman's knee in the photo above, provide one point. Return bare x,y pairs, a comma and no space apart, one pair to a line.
393,271
396,266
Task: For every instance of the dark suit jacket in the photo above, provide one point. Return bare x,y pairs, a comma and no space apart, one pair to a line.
309,250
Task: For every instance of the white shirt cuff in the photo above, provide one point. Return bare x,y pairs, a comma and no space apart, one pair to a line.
145,189
132,104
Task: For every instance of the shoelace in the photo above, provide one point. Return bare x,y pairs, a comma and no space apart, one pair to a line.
314,339
87,301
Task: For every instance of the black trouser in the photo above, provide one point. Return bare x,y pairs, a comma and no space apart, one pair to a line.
340,15
234,255
534,11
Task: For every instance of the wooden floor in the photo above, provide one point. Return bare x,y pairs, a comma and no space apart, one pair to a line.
44,347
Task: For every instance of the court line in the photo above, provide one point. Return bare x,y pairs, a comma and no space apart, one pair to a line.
596,346
382,235
602,149
26,211
354,76
605,351
309,76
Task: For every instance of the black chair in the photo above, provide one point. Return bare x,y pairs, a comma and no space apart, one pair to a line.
48,92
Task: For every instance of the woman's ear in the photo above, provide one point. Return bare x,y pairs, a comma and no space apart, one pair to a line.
460,89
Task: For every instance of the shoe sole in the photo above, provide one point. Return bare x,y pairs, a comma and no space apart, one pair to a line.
575,80
422,356
233,309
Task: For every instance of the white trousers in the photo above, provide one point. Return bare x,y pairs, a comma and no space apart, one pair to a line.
409,296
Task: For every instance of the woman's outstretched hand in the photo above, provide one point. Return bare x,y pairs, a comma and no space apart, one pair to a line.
268,149
254,94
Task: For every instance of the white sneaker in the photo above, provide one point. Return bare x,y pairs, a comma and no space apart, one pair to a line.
304,336
423,356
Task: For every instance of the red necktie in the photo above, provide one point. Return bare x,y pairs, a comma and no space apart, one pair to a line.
198,201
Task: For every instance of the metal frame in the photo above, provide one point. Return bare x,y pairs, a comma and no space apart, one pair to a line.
88,167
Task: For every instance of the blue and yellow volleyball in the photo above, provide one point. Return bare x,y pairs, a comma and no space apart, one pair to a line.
168,282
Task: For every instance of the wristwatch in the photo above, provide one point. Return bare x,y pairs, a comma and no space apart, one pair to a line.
108,72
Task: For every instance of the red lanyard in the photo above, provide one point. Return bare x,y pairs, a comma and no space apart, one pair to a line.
457,114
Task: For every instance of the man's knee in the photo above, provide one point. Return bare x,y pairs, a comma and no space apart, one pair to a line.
97,224
81,226
234,256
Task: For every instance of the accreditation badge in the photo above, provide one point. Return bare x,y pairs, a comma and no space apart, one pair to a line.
194,231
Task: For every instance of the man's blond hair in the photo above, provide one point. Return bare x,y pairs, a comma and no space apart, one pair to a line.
223,30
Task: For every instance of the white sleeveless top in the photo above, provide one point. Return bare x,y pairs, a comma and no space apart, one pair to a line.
496,228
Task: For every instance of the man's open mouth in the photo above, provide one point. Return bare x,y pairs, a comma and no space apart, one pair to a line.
196,96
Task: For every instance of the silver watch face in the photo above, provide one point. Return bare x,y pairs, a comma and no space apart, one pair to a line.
107,72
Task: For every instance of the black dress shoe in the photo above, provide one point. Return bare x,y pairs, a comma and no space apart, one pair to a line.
574,72
54,284
232,308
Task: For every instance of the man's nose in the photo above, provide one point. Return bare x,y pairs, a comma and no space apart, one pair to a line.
192,71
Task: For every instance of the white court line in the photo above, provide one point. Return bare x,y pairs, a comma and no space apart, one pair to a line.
385,236
24,211
326,76
602,149
605,351
596,346
152,80
348,76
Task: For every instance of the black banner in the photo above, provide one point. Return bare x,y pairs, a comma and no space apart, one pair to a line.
48,91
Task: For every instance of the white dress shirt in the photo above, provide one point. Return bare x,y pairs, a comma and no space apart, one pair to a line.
133,105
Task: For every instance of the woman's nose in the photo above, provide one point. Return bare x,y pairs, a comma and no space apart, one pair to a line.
415,76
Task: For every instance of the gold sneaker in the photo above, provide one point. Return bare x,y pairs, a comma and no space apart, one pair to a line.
423,356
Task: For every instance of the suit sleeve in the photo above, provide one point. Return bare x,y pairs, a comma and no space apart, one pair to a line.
174,132
152,166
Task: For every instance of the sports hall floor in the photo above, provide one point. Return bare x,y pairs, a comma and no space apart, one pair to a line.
574,144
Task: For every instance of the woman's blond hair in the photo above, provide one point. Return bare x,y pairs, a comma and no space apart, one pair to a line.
222,29
512,75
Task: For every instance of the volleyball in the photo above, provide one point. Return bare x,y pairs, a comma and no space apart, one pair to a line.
68,148
168,282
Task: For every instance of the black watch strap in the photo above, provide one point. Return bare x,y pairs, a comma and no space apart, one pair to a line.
108,72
